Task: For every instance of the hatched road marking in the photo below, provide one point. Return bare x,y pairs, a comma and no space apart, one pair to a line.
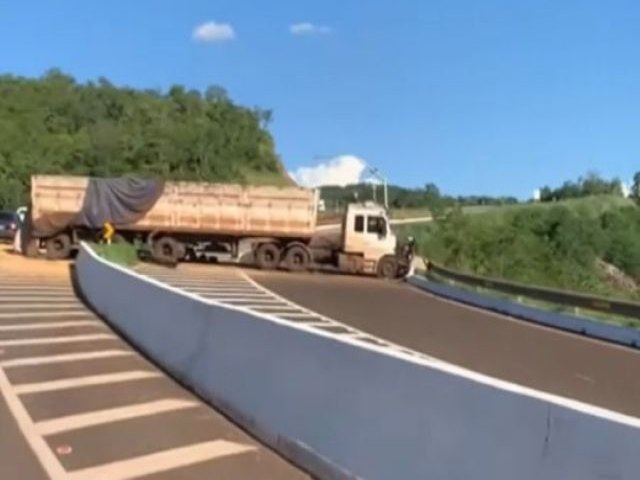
55,340
250,295
48,326
40,310
161,461
88,381
69,357
83,420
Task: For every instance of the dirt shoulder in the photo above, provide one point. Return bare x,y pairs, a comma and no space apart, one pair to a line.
15,264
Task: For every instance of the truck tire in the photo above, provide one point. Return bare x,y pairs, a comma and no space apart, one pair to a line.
169,250
268,256
387,267
297,259
59,247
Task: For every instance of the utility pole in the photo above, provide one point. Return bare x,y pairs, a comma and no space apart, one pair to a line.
376,173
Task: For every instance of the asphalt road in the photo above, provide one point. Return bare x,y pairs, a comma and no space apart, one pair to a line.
545,359
76,402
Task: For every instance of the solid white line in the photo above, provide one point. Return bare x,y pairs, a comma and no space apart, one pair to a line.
188,279
269,307
161,461
88,381
241,300
242,286
39,306
111,415
49,325
68,357
55,340
242,295
300,315
43,453
58,314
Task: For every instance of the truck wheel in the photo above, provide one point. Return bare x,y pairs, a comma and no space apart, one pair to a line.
31,250
387,268
167,249
297,258
268,256
59,247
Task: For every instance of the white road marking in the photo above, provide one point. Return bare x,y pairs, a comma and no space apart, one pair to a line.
57,314
213,288
25,299
55,340
39,306
43,453
25,287
49,325
88,381
269,307
267,300
67,357
111,415
300,315
161,461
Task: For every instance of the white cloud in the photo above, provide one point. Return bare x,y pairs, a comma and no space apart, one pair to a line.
213,32
307,28
341,170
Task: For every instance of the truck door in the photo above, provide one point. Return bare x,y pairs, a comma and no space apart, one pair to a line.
376,237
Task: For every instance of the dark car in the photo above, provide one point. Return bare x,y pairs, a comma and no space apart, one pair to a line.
8,226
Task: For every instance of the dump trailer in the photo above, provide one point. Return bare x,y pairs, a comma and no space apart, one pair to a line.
273,226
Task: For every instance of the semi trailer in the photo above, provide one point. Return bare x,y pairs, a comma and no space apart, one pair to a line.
275,227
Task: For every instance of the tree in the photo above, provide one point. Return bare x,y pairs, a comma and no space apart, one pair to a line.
55,125
635,187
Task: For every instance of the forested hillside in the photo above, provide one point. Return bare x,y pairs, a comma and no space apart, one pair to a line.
55,125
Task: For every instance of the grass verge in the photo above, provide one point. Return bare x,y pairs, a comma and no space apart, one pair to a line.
121,253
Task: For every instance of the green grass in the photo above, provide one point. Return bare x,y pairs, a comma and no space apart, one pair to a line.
120,253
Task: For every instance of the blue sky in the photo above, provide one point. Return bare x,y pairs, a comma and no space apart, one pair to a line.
490,96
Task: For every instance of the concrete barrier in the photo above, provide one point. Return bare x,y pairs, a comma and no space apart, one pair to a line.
345,410
629,337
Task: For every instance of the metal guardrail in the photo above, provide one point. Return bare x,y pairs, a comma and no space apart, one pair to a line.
560,297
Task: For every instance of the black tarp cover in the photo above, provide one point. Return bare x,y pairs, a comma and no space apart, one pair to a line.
120,201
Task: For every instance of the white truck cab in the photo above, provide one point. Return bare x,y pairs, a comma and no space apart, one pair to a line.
368,244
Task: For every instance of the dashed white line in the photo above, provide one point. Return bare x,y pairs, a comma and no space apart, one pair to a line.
87,381
55,340
111,415
68,357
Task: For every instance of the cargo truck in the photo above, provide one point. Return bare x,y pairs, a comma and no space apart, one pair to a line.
275,226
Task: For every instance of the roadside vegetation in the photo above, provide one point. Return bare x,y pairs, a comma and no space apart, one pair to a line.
56,125
121,253
589,244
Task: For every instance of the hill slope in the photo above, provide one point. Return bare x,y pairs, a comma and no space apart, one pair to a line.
590,244
55,125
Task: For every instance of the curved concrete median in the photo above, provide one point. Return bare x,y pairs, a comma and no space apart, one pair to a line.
345,410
